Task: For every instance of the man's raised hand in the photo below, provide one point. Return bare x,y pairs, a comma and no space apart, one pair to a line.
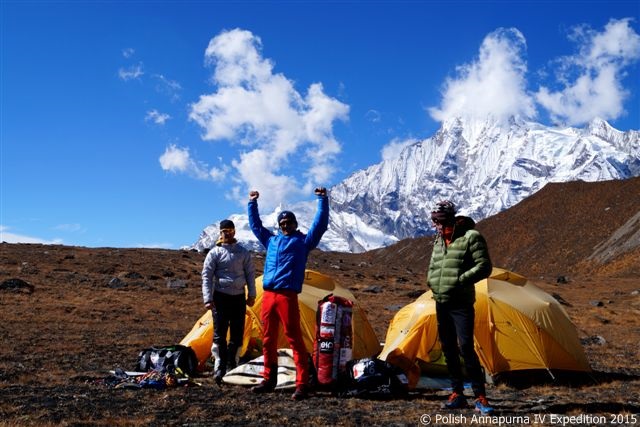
320,191
253,195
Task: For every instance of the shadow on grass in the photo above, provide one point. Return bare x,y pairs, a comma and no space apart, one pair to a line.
526,379
594,408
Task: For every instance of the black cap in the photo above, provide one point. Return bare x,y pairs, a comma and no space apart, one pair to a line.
287,215
226,224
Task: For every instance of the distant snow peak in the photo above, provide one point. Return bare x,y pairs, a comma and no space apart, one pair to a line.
482,165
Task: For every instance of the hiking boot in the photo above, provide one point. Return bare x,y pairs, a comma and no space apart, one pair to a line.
301,393
456,401
482,405
232,357
266,386
218,377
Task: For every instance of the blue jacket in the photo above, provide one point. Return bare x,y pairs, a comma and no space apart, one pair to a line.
286,257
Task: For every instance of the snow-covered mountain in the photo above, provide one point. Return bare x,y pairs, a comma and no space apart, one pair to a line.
482,166
347,232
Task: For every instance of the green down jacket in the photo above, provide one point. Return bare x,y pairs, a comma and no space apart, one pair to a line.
455,269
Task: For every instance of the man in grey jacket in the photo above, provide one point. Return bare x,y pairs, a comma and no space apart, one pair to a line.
228,268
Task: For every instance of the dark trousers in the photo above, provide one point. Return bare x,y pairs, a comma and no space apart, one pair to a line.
228,317
455,328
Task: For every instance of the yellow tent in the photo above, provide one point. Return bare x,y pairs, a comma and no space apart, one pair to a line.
316,286
518,326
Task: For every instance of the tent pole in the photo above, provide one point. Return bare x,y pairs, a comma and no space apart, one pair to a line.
550,373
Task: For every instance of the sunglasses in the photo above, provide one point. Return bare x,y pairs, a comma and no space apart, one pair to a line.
285,223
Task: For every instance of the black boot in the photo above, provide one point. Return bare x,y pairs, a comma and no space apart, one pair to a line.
217,377
268,384
232,354
302,392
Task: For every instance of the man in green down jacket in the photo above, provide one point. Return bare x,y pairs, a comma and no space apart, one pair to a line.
460,258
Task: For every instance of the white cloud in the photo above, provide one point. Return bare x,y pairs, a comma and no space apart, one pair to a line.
6,236
169,87
176,159
591,80
262,111
128,52
131,73
373,116
72,228
219,174
179,160
618,43
493,85
154,245
393,149
256,171
156,117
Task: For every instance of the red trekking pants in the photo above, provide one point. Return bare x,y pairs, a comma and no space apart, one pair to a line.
276,307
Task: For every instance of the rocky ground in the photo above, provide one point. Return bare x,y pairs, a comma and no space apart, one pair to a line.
71,314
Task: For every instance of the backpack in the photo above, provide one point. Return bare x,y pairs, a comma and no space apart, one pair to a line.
374,379
168,359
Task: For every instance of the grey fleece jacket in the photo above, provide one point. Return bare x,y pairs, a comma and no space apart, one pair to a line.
227,268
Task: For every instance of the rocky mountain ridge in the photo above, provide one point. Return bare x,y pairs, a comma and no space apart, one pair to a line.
485,166
588,229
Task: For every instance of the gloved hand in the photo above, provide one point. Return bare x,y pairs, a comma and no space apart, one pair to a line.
320,191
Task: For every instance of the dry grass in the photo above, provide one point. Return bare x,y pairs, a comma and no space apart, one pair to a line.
60,339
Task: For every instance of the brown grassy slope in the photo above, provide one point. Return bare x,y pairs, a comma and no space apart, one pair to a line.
553,232
556,230
89,310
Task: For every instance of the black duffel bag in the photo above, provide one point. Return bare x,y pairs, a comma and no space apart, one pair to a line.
168,359
372,378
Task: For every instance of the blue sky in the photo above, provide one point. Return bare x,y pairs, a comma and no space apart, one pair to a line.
139,123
